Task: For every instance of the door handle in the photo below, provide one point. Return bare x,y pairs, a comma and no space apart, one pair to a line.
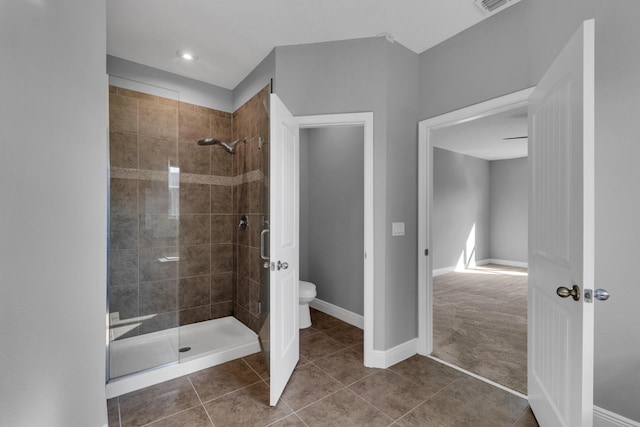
262,234
601,294
282,265
279,266
564,292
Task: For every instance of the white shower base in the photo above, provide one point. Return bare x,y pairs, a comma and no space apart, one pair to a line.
212,342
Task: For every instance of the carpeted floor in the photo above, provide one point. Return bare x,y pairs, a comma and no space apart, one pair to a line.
480,322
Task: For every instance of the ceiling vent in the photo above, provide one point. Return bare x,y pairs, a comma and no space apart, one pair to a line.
489,7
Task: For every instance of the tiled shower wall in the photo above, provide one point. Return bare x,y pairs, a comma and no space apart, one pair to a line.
251,196
180,258
171,251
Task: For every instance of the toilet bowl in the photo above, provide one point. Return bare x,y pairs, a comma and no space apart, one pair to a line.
306,294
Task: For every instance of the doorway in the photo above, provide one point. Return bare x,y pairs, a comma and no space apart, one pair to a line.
331,218
363,121
474,248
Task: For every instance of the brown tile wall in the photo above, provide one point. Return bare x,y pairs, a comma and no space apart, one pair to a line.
250,121
148,133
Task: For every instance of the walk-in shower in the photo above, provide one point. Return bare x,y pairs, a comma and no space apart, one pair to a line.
182,292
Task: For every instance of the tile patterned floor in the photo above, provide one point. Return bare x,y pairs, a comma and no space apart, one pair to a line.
330,387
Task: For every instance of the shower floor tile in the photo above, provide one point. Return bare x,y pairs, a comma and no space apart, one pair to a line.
341,392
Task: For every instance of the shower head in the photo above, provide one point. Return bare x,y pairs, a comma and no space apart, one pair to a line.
229,147
208,141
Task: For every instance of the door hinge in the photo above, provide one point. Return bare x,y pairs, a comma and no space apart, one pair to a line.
259,307
426,252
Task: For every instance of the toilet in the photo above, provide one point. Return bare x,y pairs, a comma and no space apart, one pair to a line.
306,294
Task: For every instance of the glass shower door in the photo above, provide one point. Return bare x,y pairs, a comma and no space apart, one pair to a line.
144,221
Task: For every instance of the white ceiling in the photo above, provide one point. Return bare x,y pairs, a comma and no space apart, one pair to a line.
231,37
483,138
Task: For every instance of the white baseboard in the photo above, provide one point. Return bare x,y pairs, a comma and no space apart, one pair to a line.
385,358
445,270
505,262
338,312
604,418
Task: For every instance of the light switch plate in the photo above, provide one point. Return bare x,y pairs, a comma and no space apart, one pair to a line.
397,229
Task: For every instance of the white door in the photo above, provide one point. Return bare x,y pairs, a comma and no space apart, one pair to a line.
561,242
285,197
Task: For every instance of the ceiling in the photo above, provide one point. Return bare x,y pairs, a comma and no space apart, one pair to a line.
231,37
484,137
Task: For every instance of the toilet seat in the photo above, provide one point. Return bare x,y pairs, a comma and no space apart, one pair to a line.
306,289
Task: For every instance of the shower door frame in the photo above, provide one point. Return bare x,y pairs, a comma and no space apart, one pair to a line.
364,119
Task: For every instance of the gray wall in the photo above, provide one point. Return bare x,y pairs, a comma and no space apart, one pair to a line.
190,91
334,221
461,201
509,209
401,202
492,195
304,204
617,347
53,166
509,52
258,78
371,75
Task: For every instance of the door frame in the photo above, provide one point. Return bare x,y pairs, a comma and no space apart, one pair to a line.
365,120
425,197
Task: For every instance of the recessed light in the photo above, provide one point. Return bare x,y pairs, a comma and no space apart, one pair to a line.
186,55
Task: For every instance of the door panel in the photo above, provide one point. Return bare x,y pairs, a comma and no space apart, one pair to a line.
561,144
284,213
